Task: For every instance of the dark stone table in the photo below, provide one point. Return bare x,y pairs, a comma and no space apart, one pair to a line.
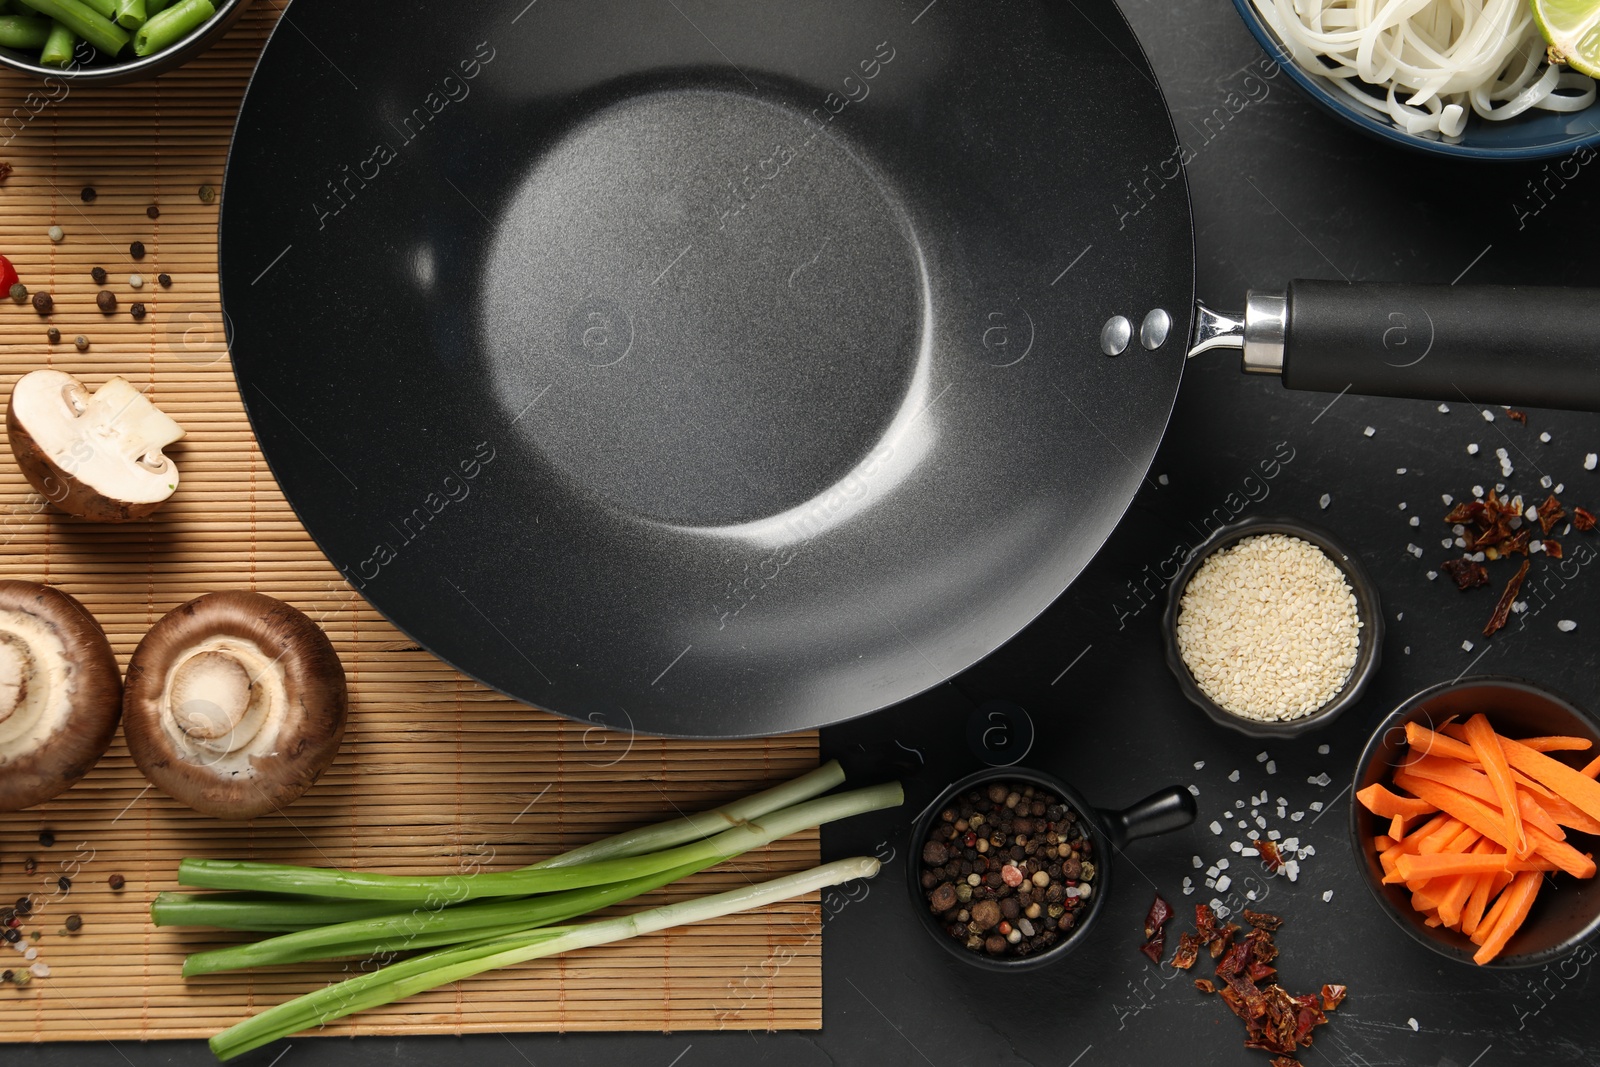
1280,191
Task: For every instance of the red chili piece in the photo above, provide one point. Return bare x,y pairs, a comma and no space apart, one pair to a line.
8,273
1160,912
1550,513
1466,574
1271,858
1502,610
1582,519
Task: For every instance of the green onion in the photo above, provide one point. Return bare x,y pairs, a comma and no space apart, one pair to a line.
130,14
57,51
451,965
171,26
266,912
23,31
83,20
447,889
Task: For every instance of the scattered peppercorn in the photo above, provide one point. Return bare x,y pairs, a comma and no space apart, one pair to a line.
30,865
152,212
165,280
136,250
116,881
207,194
136,281
12,936
99,275
106,301
18,292
74,922
56,233
64,883
82,342
43,304
47,838
54,335
137,311
6,976
88,194
21,978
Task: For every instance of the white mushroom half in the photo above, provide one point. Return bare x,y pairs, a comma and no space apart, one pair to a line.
235,704
97,455
60,693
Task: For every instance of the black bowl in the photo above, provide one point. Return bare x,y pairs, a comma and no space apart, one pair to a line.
1368,609
134,68
1159,813
1563,917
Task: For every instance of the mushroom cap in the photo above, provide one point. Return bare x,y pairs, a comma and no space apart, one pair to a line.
235,704
56,723
94,455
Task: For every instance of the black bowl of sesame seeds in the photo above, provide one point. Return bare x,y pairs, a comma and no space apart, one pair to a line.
1272,628
1009,865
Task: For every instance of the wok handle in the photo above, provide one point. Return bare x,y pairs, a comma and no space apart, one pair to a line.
1476,344
1162,812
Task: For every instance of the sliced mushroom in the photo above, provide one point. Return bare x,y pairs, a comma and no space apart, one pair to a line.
94,455
60,693
235,704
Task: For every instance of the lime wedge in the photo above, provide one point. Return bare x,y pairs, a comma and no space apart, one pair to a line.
1573,29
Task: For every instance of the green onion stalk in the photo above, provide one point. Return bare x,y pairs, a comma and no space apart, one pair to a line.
275,913
427,927
454,964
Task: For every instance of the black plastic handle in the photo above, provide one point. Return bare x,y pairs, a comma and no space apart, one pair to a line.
1161,812
1481,344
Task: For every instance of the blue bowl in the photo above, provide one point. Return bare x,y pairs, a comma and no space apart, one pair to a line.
1535,134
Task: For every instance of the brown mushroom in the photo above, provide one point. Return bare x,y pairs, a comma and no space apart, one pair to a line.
235,704
60,693
94,455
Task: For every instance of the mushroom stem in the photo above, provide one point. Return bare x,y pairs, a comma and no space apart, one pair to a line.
125,419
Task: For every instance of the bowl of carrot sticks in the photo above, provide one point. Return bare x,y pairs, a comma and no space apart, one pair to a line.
1477,819
109,41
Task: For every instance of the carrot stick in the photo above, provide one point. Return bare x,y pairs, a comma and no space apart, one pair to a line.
1478,899
1443,865
1592,768
1426,742
1476,784
1486,743
1383,842
1584,793
1557,744
1385,803
1455,897
1562,811
1488,821
1521,893
1456,730
1496,910
1432,919
1397,827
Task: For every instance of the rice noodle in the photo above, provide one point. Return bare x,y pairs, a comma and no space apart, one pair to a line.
1424,63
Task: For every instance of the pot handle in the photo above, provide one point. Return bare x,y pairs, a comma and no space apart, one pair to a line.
1161,812
1485,344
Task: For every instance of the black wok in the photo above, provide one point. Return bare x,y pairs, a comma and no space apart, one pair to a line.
727,369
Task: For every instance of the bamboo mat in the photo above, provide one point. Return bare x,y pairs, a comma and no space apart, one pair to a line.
437,774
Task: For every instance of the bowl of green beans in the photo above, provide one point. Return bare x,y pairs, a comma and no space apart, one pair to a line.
109,41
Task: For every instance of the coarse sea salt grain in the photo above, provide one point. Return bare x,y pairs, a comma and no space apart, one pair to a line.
1447,498
1272,766
1472,449
1545,437
1413,1024
1591,461
1321,780
1199,764
1234,777
1415,521
1325,501
1195,790
1369,431
1327,895
1399,470
1316,805
1432,575
1216,827
1322,750
1488,416
1566,626
1261,757
1466,646
1162,478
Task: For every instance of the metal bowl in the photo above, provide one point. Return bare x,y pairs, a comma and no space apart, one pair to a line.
1162,812
1563,917
1534,134
134,68
1368,609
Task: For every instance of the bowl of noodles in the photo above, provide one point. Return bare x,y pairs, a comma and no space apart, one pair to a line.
1465,78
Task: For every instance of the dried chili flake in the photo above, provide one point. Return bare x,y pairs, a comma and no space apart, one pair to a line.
1502,610
1466,573
1259,971
1550,513
1461,514
1285,1061
1333,996
1205,923
1261,920
1154,948
1582,519
1187,952
1552,548
1518,542
1513,413
1223,941
1205,985
1160,912
1271,858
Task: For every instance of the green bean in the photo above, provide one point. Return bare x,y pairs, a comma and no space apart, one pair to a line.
23,31
84,21
171,26
152,8
130,14
108,8
58,46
